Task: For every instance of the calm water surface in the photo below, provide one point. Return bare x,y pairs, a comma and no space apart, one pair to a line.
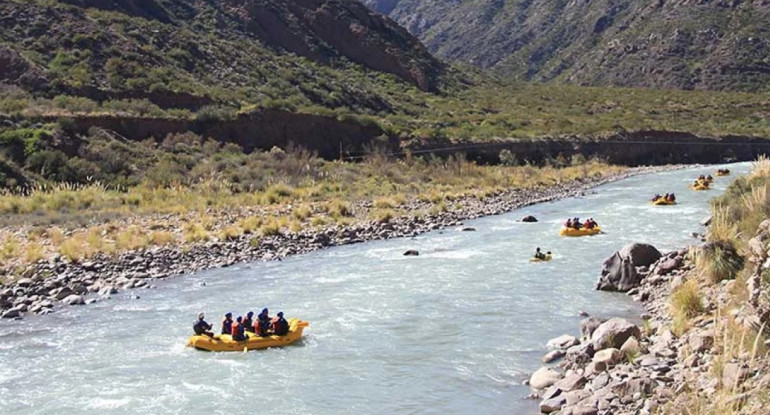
453,331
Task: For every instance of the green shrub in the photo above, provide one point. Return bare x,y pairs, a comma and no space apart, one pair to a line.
718,261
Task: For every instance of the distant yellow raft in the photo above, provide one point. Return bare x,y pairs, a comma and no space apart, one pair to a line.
546,259
579,232
663,202
225,342
723,173
700,186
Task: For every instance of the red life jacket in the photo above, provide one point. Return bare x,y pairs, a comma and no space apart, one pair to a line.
257,328
236,328
273,323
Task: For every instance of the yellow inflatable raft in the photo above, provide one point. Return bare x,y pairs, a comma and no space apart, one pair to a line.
700,186
663,202
225,342
723,173
546,259
579,232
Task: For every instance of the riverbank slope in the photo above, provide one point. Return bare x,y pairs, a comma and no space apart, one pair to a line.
702,347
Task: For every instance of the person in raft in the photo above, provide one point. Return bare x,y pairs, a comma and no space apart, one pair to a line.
591,223
238,332
280,325
264,323
538,254
248,322
576,223
672,197
201,327
227,324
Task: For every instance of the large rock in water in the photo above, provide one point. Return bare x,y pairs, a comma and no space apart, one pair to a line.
619,271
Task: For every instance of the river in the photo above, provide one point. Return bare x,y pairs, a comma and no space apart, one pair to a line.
453,331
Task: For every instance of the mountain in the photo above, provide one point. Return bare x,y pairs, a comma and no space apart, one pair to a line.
181,53
685,44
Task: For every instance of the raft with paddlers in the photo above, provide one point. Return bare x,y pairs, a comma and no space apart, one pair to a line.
564,231
573,227
700,186
663,202
225,342
546,258
723,172
667,199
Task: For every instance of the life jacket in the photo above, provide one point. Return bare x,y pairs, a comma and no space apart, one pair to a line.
257,328
227,326
237,329
281,327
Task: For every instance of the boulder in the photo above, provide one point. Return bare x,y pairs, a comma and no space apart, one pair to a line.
668,265
544,377
412,252
552,405
529,219
12,313
619,270
581,353
631,347
613,333
594,368
701,341
643,386
24,282
589,325
74,299
562,342
571,382
640,255
553,356
577,396
608,357
734,374
63,293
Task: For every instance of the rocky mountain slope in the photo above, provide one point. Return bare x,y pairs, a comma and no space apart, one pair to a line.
186,54
662,44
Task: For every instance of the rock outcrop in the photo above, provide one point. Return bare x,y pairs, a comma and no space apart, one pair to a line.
619,272
661,44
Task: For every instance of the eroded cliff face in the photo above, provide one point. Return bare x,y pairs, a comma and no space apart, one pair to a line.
321,30
688,44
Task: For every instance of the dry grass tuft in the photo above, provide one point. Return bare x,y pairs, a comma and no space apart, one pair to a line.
685,304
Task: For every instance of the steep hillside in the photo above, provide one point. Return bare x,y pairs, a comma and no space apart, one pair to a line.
662,44
185,54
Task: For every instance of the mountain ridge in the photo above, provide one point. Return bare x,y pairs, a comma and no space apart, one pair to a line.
235,50
682,44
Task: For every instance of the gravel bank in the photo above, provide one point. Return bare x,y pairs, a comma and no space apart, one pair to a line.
57,282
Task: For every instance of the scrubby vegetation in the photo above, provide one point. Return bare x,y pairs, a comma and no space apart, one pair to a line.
721,263
187,190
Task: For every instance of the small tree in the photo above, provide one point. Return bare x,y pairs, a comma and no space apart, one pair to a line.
507,158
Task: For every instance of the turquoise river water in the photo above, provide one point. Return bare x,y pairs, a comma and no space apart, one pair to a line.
453,331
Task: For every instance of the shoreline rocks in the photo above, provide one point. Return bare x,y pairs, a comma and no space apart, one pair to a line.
620,368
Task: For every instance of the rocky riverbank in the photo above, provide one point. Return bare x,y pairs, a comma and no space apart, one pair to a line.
714,359
57,282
